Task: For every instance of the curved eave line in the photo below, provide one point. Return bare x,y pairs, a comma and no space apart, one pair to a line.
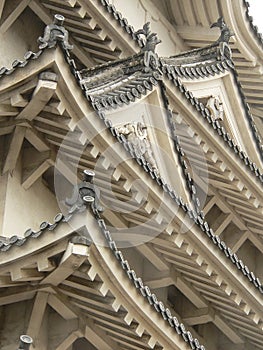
247,28
166,187
201,70
37,241
205,113
207,71
66,71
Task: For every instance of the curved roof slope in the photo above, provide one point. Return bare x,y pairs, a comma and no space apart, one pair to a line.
176,334
119,82
103,75
90,90
192,21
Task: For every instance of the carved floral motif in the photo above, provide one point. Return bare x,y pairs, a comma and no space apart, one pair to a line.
215,106
136,134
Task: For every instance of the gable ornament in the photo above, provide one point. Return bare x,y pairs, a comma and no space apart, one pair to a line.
136,133
55,33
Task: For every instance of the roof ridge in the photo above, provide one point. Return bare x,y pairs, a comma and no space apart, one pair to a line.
109,64
198,218
171,74
257,34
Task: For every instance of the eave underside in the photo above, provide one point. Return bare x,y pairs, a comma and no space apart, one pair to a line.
192,20
196,278
50,126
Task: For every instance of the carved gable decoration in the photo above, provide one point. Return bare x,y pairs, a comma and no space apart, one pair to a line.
216,108
136,133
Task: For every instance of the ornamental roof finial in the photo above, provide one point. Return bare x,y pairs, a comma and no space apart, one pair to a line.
53,33
226,33
151,39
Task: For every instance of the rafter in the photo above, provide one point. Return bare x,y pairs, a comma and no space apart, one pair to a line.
21,89
99,338
36,173
150,253
223,224
17,100
62,306
7,111
2,4
4,130
6,281
37,316
199,316
228,330
86,326
17,294
14,11
69,340
176,278
73,257
37,140
26,274
41,95
14,149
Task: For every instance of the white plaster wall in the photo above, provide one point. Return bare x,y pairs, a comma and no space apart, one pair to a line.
20,38
27,208
139,12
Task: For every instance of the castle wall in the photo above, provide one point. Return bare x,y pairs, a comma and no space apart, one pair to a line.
139,12
25,208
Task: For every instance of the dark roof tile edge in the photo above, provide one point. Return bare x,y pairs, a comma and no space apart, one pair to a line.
196,71
205,113
196,217
8,242
180,153
109,101
123,22
29,56
157,305
257,34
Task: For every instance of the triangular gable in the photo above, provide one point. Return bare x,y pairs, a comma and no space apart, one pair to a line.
192,214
